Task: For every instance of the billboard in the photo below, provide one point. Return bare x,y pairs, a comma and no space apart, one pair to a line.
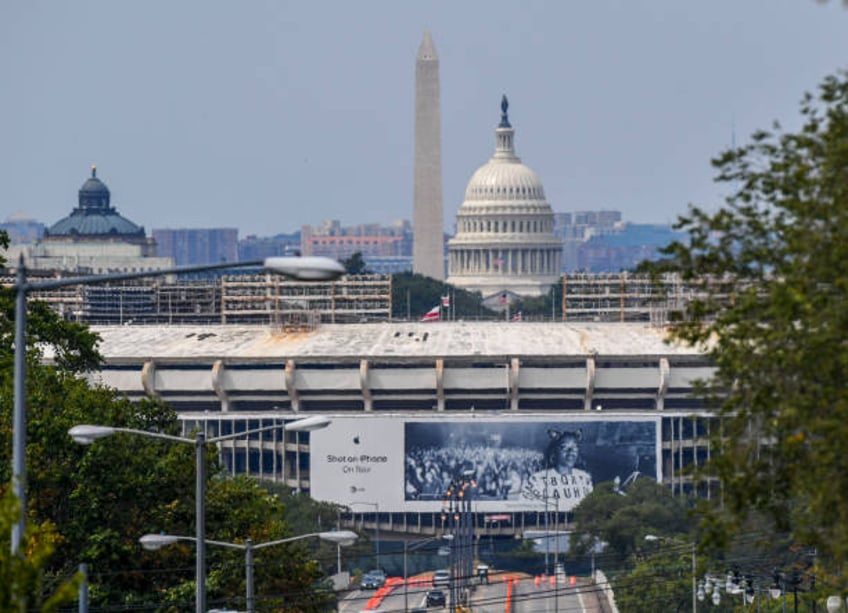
522,463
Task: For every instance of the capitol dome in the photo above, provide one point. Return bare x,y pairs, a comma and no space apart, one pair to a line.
498,181
504,178
504,242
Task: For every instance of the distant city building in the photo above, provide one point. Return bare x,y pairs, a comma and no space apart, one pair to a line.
631,297
624,248
189,246
574,229
94,239
504,240
260,247
332,240
389,265
236,298
597,219
428,219
22,230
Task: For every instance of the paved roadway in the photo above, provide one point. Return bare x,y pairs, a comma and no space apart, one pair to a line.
526,596
357,600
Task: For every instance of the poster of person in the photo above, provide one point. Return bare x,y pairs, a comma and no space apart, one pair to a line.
556,462
561,478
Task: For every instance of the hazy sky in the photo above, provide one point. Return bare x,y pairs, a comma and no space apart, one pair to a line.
266,115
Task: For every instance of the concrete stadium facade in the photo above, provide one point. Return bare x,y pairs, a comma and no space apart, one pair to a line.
473,382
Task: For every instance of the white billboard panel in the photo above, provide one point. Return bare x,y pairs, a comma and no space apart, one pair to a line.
405,464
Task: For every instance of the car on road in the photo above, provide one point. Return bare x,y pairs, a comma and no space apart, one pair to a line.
441,578
436,598
373,579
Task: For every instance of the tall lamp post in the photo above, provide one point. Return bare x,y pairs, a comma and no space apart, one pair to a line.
157,541
654,537
406,549
376,506
303,268
87,434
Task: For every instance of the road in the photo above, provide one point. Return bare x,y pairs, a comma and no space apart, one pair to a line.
395,601
525,595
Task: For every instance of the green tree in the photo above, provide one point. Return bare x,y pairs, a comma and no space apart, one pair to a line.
237,509
304,515
621,521
659,581
777,336
544,308
414,294
102,498
23,578
355,265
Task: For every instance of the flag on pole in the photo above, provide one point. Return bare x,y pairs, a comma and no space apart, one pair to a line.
446,301
433,314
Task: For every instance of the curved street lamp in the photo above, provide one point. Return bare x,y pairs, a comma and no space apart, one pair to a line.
87,434
303,268
154,542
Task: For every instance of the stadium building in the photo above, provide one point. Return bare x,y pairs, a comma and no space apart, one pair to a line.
415,406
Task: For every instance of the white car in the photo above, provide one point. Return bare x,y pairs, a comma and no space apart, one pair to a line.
373,579
441,578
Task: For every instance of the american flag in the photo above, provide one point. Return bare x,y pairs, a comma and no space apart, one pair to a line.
433,314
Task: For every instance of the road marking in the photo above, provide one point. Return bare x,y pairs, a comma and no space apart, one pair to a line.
580,600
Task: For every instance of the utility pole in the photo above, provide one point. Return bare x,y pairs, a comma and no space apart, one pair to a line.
457,506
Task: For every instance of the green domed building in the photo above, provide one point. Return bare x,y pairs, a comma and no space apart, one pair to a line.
95,218
95,238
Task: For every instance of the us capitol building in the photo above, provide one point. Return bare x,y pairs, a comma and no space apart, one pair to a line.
504,238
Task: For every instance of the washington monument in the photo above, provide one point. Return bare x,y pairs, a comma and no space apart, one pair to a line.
428,247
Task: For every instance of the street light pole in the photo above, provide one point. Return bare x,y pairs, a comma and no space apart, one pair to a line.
405,578
653,537
415,545
19,415
87,434
153,542
248,575
694,588
303,268
200,520
376,506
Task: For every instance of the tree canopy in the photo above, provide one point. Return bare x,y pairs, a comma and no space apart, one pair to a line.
102,498
91,504
414,294
621,520
24,583
773,262
355,265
